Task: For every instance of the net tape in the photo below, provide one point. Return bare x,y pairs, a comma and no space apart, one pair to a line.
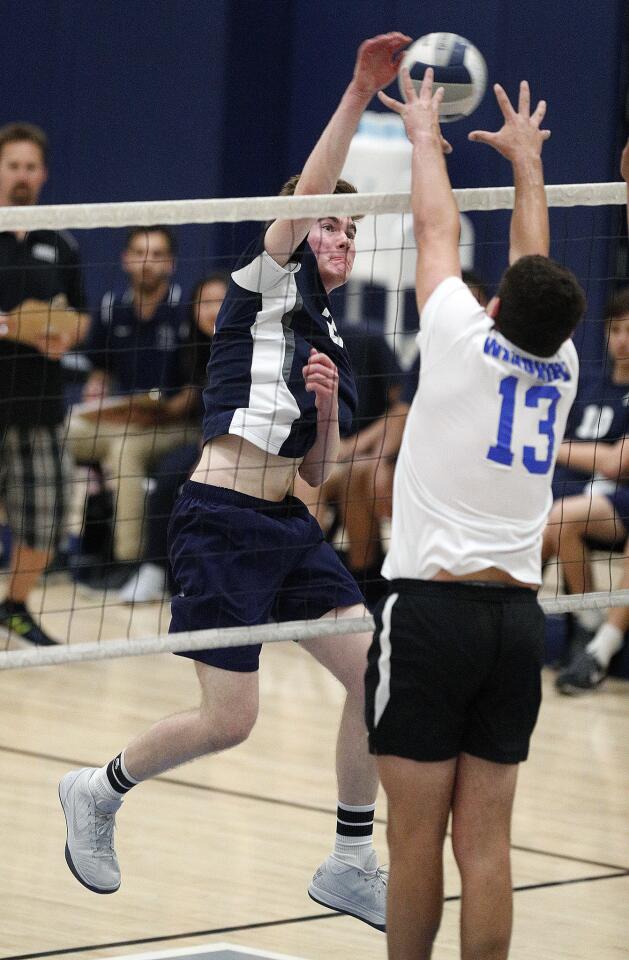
295,630
83,216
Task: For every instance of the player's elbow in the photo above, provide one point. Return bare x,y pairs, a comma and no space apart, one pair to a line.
436,231
313,474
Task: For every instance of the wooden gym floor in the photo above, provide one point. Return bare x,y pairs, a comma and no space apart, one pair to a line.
222,850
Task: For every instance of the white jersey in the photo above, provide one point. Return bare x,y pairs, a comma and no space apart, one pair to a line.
473,479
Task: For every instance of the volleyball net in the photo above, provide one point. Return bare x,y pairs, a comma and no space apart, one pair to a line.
81,600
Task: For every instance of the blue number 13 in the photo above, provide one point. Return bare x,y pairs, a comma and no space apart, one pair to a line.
501,451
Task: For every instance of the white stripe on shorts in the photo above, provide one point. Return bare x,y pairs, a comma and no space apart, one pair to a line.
383,691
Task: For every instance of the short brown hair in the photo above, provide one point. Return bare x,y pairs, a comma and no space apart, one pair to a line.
618,304
22,131
342,186
541,304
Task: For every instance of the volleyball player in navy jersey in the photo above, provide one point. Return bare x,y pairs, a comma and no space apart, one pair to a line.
243,551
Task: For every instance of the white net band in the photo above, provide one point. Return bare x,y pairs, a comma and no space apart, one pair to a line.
83,216
226,637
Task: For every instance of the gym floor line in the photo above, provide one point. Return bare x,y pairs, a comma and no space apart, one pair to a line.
220,931
620,869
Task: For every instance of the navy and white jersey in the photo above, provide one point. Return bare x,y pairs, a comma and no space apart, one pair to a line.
139,355
268,322
472,480
600,413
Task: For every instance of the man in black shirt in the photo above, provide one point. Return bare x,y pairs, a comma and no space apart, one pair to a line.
40,280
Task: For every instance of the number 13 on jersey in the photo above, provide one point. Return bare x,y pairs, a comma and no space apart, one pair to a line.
511,391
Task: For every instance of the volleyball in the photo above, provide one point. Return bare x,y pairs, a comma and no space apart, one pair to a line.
459,67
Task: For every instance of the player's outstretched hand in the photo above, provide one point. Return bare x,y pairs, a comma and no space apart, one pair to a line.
420,113
322,379
377,61
624,163
520,135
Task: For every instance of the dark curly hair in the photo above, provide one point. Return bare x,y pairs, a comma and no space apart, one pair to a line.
541,304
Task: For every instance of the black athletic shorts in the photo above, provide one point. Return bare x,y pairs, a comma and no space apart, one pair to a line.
454,668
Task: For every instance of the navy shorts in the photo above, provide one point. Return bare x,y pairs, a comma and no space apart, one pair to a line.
240,561
454,668
619,499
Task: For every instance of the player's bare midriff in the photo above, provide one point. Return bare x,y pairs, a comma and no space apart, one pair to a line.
488,575
237,464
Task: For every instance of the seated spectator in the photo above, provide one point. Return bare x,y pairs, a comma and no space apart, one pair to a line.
590,664
135,347
592,462
378,380
604,512
151,579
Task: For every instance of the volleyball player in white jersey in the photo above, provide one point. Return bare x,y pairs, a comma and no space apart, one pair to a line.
453,682
243,551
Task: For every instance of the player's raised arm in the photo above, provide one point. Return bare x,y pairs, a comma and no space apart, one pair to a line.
520,140
376,66
624,172
435,213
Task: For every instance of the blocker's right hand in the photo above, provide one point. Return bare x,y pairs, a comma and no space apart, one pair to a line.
420,113
520,135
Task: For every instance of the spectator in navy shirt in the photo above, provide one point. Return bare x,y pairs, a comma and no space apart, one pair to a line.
40,269
135,347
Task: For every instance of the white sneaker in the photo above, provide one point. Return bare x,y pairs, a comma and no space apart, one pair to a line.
348,889
145,586
89,851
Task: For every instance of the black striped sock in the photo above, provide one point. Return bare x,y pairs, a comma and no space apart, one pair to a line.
118,777
354,824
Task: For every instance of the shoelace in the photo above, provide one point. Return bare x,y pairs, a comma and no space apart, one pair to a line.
103,835
377,879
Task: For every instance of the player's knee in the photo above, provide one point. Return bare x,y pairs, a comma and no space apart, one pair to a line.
230,728
479,850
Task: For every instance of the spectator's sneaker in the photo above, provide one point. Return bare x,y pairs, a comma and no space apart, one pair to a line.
17,624
103,578
90,852
583,674
348,889
145,586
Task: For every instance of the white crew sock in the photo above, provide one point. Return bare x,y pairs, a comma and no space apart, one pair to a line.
589,619
354,835
110,783
608,641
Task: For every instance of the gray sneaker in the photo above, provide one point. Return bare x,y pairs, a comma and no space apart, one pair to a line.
89,851
583,674
348,889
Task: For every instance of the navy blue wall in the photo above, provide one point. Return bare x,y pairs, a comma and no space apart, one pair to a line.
186,98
